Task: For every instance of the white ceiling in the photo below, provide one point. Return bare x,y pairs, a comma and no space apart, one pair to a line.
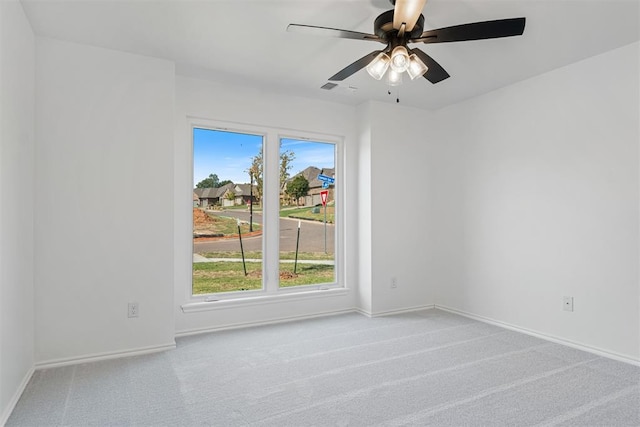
245,42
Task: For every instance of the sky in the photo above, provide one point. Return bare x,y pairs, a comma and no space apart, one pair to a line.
229,154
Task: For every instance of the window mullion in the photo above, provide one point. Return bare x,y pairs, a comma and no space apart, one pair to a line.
271,211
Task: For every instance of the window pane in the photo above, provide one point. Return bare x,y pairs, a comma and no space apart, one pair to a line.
307,212
227,213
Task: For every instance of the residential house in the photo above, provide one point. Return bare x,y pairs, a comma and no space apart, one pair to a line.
238,194
209,197
313,197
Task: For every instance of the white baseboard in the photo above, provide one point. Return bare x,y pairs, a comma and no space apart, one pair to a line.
230,326
103,356
557,340
6,413
392,312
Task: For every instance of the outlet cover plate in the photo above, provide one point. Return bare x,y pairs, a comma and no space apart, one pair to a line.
567,303
134,309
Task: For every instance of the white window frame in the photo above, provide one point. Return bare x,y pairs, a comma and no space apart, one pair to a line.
271,291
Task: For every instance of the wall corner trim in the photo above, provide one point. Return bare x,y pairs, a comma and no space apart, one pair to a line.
6,412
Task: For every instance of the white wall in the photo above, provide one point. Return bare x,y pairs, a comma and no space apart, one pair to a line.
17,111
224,103
364,290
402,144
104,223
539,199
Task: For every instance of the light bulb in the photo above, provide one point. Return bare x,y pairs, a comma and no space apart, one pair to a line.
378,66
416,67
400,59
394,78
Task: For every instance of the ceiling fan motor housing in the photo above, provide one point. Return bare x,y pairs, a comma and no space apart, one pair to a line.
383,27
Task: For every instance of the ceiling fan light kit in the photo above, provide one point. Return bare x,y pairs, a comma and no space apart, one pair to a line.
416,67
379,66
399,62
403,25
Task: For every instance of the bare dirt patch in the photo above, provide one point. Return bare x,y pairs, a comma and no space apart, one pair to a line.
283,275
201,219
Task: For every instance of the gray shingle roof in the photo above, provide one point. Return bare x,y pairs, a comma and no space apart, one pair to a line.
245,190
213,193
311,174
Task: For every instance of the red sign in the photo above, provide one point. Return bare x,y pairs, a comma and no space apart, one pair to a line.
323,195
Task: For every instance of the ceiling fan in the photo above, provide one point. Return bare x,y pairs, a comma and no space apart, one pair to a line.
401,26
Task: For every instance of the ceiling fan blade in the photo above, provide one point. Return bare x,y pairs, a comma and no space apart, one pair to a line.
474,31
435,72
354,67
407,12
331,32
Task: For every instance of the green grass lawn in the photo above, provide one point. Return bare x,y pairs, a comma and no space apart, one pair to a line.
307,213
222,276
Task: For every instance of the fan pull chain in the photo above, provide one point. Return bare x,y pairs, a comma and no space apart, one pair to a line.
397,94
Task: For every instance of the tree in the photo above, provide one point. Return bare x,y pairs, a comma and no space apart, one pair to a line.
297,187
224,182
212,182
256,169
255,172
286,157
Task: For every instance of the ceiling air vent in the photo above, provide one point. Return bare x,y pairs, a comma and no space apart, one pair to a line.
328,86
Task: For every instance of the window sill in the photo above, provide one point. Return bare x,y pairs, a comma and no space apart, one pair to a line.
193,307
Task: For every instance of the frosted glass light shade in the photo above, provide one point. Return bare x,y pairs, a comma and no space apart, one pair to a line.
378,66
416,67
394,78
400,59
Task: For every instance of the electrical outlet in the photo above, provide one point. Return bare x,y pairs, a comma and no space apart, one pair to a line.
567,303
394,282
134,309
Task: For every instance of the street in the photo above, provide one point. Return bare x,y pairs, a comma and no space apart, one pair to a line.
311,236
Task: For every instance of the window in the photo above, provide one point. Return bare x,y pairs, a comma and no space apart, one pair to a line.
227,214
307,212
265,212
